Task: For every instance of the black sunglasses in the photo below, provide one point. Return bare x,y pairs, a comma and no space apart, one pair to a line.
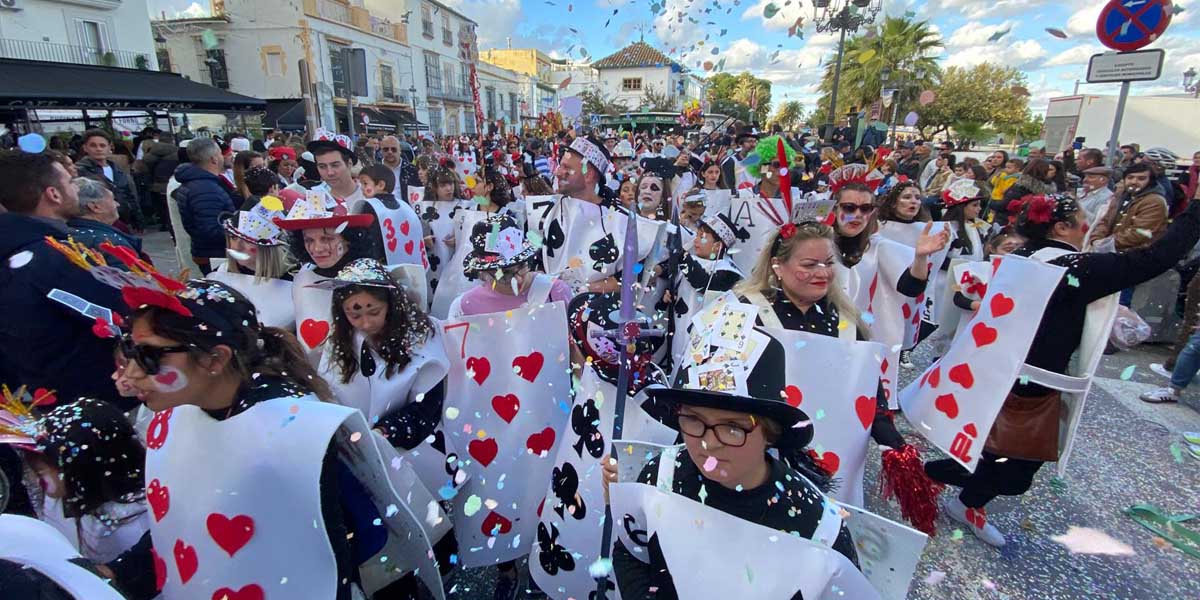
149,358
851,208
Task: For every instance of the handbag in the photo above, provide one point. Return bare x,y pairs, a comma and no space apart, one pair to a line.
1027,427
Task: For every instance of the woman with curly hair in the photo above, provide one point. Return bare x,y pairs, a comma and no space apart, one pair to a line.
902,204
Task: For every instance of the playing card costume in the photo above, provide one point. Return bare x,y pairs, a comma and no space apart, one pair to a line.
455,280
648,559
36,559
271,295
438,216
398,229
292,473
573,512
1038,420
319,212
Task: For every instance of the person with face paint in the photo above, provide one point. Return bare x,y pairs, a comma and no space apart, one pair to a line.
766,170
654,189
84,465
216,378
324,237
258,264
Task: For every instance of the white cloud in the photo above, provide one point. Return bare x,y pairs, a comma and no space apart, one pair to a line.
782,20
1083,21
502,20
1076,55
1024,55
978,34
977,9
193,11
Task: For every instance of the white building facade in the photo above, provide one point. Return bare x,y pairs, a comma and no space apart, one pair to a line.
113,33
638,70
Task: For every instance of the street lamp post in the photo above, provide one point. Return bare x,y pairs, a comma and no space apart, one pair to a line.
901,86
1190,84
842,16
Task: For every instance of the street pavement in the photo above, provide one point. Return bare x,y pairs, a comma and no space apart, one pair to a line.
1123,456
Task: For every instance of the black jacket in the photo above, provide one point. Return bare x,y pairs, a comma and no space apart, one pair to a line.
42,342
124,190
202,198
92,233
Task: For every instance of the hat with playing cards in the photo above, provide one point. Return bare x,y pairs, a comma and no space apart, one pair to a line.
497,243
325,141
723,382
256,225
363,271
318,210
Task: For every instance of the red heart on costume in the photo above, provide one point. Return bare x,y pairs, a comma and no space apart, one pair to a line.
156,433
934,377
408,247
506,406
159,498
541,442
983,334
1002,305
794,396
528,366
314,332
248,592
404,228
865,407
483,451
970,430
185,561
830,461
479,367
160,569
230,534
947,404
920,298
44,397
168,378
906,310
392,243
962,375
494,524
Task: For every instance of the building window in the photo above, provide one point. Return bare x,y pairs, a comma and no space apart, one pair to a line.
386,86
512,107
164,60
274,61
433,73
631,84
217,71
447,36
427,21
448,75
489,106
337,69
435,121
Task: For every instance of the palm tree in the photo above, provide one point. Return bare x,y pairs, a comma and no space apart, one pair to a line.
899,44
788,115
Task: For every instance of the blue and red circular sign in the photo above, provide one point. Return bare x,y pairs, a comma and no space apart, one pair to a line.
1127,25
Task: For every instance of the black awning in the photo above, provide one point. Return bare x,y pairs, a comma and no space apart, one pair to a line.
405,118
285,115
35,84
372,119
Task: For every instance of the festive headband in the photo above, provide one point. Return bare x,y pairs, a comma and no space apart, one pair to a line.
867,175
591,153
960,192
140,285
18,426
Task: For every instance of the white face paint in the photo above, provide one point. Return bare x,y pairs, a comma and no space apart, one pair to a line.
170,379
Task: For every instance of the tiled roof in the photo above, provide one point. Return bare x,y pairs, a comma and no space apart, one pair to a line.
637,54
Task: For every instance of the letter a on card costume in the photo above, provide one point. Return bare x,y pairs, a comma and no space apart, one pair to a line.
955,402
508,388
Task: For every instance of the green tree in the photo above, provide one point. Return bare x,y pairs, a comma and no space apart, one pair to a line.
596,102
899,44
971,131
656,101
788,115
982,94
733,95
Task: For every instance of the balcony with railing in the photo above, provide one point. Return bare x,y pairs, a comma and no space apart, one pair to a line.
452,93
77,55
356,17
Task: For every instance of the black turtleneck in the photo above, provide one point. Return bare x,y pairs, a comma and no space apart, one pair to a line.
1090,277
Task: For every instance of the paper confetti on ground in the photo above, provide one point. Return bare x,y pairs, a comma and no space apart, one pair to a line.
1085,540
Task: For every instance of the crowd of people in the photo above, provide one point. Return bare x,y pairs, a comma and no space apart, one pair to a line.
300,413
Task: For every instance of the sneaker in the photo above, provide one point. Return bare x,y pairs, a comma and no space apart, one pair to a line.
975,519
1161,369
1192,437
1163,395
906,359
1194,450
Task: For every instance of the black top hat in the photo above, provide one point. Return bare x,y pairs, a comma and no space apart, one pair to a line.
482,259
765,396
326,141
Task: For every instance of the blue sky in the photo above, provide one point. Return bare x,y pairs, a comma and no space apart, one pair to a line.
694,31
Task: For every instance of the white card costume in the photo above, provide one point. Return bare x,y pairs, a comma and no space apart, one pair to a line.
689,301
37,545
220,523
712,554
400,230
313,308
760,218
454,282
99,540
955,402
438,217
1075,386
508,398
842,408
272,298
908,234
568,539
583,242
888,552
415,195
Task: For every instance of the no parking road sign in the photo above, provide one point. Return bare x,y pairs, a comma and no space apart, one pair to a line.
1127,25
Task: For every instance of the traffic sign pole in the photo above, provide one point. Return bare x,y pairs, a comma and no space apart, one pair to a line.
1116,130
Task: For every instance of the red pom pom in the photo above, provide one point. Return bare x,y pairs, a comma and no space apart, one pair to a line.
902,475
1040,210
787,231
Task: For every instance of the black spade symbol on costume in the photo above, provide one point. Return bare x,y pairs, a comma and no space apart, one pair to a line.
564,483
439,444
637,536
604,252
554,237
681,307
552,556
585,421
366,362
